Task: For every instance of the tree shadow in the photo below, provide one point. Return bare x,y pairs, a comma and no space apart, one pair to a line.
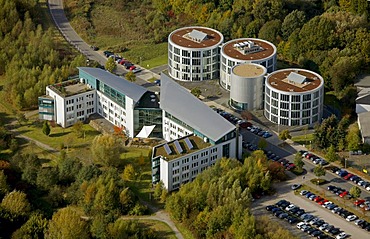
91,133
58,134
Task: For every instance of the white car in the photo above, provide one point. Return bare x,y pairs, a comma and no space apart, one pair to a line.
327,204
303,192
290,207
323,226
351,218
299,225
368,188
342,235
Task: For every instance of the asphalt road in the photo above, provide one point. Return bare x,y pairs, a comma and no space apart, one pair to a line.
61,21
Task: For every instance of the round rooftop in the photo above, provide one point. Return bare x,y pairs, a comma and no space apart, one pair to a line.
249,70
266,50
294,80
196,37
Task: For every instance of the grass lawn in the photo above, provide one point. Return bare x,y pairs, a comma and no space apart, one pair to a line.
58,135
303,139
162,229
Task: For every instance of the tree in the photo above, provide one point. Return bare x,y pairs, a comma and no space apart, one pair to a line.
21,118
262,143
4,187
110,65
67,223
292,21
129,173
130,76
270,31
353,138
16,203
106,150
298,161
46,128
196,92
78,129
319,171
13,145
35,227
331,155
355,191
285,134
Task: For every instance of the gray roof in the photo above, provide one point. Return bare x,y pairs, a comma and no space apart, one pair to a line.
124,86
197,35
297,78
364,124
363,99
180,103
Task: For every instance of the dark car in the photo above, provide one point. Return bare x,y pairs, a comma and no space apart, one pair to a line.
300,212
334,169
95,48
323,236
275,209
277,213
283,215
292,220
331,187
108,53
334,231
315,233
270,207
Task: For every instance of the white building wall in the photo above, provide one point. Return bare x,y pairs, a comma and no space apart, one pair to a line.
185,168
116,114
172,130
59,111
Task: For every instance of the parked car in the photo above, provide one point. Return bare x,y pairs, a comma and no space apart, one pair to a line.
94,48
351,218
157,82
108,53
295,186
358,202
132,68
137,70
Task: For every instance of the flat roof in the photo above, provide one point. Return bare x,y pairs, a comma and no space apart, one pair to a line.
197,143
69,88
229,50
249,70
279,80
122,85
181,37
183,105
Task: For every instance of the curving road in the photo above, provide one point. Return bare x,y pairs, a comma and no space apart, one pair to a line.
57,12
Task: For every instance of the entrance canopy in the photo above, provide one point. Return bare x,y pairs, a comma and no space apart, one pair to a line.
145,131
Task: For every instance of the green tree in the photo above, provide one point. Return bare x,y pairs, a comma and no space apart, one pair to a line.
292,21
110,65
128,173
67,224
355,191
270,31
16,203
298,161
262,143
331,155
78,129
196,92
35,227
130,76
353,138
46,128
4,187
319,171
13,146
106,150
21,118
285,134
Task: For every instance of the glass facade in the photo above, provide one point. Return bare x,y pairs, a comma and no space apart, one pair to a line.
146,117
112,94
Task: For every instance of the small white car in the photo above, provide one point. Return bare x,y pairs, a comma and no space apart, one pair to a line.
290,207
342,235
351,218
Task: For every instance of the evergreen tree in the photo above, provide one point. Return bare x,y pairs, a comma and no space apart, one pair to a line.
46,128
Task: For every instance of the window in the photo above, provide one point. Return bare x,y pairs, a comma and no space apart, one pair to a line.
306,121
284,113
296,114
176,50
185,53
306,105
274,103
296,107
275,95
284,121
307,97
296,98
295,122
306,113
274,111
284,106
284,97
196,54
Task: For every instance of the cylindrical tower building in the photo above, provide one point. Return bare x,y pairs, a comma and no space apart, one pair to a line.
294,97
194,53
246,91
245,50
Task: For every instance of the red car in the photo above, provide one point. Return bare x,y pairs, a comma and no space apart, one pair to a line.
358,202
348,176
343,194
323,201
123,61
308,156
290,166
132,68
318,199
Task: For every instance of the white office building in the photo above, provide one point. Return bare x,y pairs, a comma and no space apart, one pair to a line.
187,119
194,54
246,50
294,97
121,102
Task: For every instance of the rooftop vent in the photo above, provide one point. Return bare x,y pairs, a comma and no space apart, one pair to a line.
196,36
296,78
